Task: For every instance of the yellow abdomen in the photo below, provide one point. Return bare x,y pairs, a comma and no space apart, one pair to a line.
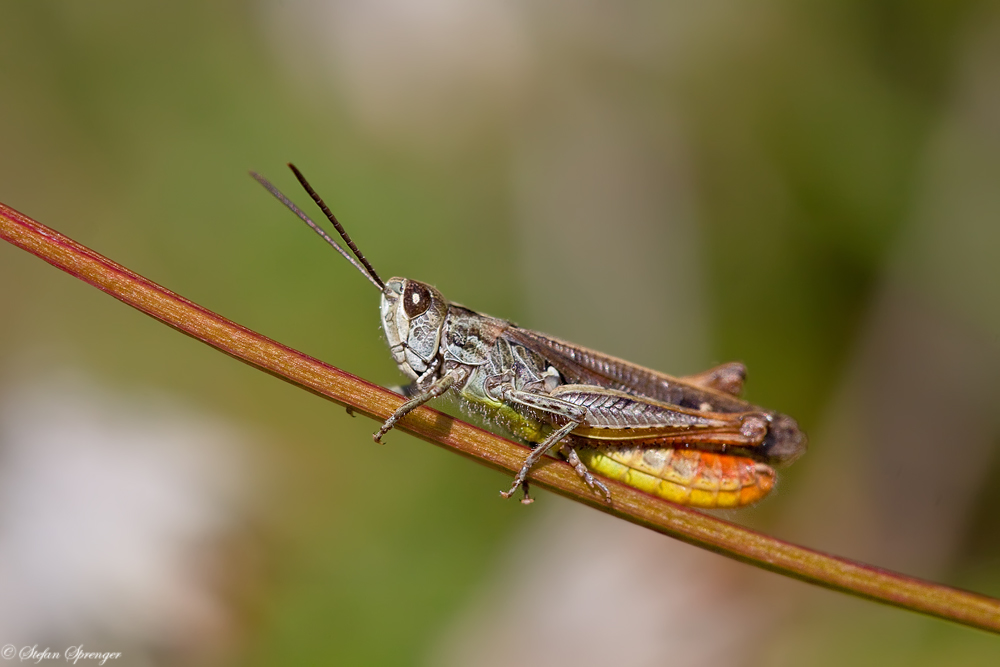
685,476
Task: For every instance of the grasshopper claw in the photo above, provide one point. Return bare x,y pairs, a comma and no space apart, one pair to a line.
526,500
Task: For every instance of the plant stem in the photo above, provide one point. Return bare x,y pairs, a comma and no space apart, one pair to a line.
363,397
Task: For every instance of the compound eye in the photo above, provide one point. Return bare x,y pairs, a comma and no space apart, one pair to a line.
416,299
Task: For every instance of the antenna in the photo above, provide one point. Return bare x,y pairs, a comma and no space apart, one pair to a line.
368,272
336,223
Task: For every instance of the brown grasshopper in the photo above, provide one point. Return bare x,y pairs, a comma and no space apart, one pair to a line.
691,440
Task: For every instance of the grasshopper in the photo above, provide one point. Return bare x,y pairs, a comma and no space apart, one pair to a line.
690,440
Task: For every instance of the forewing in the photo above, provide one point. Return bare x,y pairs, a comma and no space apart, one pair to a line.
580,365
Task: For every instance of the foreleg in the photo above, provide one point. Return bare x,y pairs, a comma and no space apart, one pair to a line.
435,390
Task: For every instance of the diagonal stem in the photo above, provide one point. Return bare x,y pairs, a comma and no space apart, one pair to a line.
630,504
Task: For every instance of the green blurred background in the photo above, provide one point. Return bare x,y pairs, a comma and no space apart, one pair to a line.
811,189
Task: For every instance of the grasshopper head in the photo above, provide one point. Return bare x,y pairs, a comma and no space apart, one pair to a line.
413,316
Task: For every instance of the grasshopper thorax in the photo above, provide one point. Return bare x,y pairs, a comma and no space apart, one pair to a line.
413,316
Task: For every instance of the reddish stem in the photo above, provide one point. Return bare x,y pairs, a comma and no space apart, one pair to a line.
630,504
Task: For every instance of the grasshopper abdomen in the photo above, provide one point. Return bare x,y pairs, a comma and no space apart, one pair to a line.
686,476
